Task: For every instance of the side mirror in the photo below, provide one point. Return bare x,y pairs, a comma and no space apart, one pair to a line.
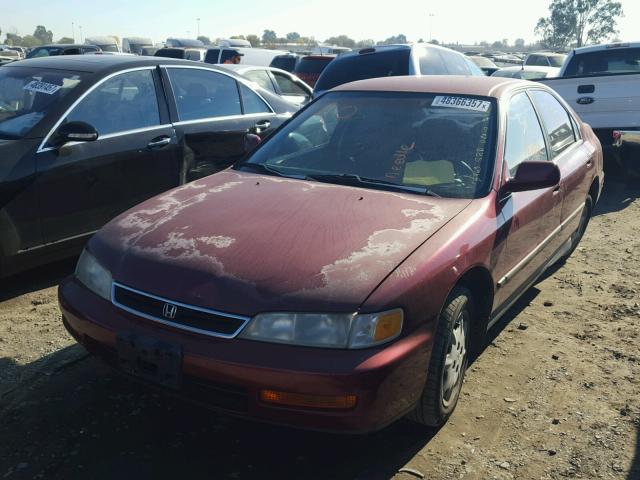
533,176
77,132
251,141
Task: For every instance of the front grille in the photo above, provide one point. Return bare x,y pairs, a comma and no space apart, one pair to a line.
182,316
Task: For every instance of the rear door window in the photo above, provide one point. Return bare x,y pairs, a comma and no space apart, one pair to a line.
261,77
125,102
454,63
288,86
201,94
525,140
556,120
605,62
212,55
431,63
252,102
391,63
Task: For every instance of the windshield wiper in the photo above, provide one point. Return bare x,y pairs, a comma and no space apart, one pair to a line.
358,180
264,168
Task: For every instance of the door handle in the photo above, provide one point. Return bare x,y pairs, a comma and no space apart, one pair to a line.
556,190
586,88
159,142
262,125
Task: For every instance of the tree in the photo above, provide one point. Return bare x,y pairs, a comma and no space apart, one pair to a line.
434,42
578,22
30,41
401,38
254,40
519,43
365,43
293,37
269,36
65,40
341,41
13,39
43,35
204,39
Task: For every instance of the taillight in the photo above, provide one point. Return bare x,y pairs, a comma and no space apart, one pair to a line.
616,135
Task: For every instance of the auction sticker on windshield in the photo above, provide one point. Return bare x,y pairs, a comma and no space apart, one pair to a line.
42,87
461,102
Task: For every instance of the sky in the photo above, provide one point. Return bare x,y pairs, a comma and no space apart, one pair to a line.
463,21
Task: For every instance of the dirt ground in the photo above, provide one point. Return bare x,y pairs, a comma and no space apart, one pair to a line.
554,395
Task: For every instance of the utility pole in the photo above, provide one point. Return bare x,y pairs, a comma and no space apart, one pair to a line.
73,31
80,28
431,15
198,20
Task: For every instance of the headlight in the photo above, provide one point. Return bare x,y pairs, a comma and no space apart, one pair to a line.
330,330
93,275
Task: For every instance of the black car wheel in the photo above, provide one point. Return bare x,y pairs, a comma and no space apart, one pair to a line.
449,360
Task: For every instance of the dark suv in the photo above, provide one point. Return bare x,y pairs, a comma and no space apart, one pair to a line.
393,61
309,68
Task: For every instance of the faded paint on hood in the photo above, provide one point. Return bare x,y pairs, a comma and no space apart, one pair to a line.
246,243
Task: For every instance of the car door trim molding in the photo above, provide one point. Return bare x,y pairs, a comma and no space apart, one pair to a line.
62,240
179,326
42,147
237,78
225,118
112,135
525,261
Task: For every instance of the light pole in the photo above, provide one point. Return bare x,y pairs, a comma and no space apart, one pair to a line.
73,32
198,20
431,15
80,28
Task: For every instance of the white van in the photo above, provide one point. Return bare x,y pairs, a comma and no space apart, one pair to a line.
106,43
250,56
135,44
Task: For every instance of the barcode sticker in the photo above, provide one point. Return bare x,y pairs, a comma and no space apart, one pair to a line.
42,87
465,103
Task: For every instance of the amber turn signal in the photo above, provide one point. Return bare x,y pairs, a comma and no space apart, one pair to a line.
308,401
388,325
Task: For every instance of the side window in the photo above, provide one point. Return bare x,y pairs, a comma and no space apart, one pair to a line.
261,77
525,141
125,102
454,63
193,55
203,94
288,86
536,60
212,55
252,102
556,120
431,63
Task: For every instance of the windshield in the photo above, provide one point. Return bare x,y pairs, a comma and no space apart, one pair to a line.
45,52
27,94
605,62
110,47
416,142
556,60
359,67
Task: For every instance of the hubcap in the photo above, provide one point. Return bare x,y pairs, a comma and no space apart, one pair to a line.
455,362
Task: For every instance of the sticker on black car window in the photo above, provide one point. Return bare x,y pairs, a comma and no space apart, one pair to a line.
464,103
42,87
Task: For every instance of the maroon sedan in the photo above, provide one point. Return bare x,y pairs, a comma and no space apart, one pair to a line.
343,274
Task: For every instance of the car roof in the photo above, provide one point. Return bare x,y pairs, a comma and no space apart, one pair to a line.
528,68
65,45
446,84
608,46
104,63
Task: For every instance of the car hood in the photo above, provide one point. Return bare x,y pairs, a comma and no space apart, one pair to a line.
246,243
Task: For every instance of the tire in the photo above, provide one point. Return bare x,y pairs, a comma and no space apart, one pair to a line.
582,227
449,360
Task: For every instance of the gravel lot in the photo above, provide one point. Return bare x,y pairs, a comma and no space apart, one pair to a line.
555,394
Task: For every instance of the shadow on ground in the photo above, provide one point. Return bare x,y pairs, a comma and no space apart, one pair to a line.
618,193
72,417
37,279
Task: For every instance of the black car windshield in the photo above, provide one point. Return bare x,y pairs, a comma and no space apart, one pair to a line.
421,143
27,94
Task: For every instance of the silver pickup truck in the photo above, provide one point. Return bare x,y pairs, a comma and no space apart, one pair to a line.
602,84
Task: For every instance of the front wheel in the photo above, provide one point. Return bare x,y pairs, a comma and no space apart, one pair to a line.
449,360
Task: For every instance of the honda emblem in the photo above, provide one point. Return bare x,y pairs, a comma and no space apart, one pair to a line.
169,311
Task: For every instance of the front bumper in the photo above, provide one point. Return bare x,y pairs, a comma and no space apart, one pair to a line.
228,374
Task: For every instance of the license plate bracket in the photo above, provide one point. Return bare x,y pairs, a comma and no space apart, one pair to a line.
151,359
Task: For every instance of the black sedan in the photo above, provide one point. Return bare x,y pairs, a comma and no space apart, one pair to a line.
83,138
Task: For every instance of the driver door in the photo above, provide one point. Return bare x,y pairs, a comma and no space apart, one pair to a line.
83,185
